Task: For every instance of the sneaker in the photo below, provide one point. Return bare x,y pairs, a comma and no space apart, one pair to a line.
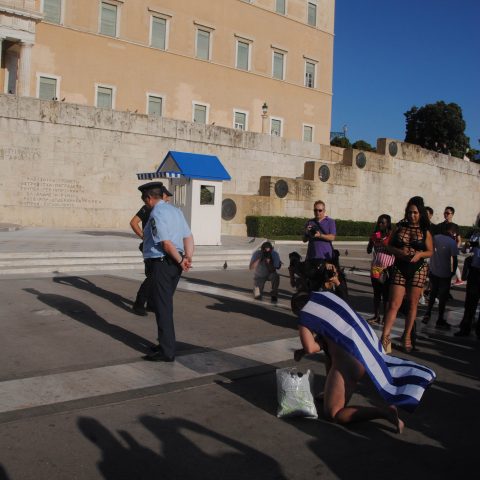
256,293
458,282
422,300
274,299
437,301
442,325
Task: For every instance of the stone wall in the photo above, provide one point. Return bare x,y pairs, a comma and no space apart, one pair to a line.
67,165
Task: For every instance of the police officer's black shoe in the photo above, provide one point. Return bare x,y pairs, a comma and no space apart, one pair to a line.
155,348
274,299
158,357
139,310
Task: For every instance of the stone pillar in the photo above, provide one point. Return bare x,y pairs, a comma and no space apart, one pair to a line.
1,49
265,124
24,69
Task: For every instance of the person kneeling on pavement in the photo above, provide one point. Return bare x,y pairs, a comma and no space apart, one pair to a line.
265,262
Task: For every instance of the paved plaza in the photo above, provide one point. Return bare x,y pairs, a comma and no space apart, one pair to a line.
78,402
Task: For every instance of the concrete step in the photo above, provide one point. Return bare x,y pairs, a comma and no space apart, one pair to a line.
64,262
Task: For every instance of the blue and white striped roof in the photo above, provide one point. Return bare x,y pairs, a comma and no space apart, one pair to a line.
152,175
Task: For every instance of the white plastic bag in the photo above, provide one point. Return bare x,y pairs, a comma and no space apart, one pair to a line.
294,393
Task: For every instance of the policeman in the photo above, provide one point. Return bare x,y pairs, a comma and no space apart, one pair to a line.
167,250
141,217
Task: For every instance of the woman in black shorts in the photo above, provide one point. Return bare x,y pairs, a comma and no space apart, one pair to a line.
411,244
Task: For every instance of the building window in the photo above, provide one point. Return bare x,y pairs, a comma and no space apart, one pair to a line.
239,120
207,195
203,44
108,19
155,105
200,113
312,14
104,97
307,133
310,74
278,65
243,55
276,127
47,88
280,6
159,33
52,10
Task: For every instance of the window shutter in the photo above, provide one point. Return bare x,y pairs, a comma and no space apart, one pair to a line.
242,55
155,106
109,20
203,44
200,114
47,89
278,65
159,32
104,97
52,10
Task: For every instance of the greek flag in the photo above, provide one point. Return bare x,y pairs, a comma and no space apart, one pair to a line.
400,382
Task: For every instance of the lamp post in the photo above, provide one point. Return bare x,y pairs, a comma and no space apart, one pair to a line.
264,117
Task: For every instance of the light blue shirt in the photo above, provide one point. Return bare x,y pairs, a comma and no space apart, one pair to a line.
166,222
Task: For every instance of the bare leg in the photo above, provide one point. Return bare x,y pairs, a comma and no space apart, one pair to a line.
397,292
337,394
414,296
360,414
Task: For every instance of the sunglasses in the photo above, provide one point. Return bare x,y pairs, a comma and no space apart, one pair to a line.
318,209
447,213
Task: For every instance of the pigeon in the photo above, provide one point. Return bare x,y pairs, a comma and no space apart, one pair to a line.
251,240
346,253
353,268
225,266
63,99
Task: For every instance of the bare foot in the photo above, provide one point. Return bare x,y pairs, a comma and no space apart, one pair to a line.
393,418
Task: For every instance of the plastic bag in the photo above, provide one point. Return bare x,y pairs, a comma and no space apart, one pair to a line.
294,393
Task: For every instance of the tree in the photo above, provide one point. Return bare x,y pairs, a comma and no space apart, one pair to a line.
437,126
363,145
342,142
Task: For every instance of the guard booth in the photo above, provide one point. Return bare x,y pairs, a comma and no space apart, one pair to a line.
196,182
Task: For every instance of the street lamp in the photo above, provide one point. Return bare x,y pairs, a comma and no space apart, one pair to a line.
264,117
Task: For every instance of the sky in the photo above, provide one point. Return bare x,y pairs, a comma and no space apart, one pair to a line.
391,55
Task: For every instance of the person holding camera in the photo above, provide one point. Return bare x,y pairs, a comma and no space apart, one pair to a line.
265,262
320,232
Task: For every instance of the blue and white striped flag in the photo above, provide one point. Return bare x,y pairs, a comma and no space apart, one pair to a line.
400,382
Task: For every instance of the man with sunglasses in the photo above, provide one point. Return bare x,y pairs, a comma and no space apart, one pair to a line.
320,232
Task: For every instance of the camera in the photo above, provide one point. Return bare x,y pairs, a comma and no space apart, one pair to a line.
312,231
266,254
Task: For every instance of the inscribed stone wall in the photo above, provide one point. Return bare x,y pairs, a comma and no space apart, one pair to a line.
68,165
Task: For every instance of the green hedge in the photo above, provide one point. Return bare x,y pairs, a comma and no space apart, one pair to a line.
271,227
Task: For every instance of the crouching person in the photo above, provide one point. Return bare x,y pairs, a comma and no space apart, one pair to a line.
265,262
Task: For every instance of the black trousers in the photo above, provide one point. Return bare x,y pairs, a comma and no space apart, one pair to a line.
471,301
164,280
143,294
439,287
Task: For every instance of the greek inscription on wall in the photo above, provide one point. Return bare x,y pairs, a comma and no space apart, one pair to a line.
48,192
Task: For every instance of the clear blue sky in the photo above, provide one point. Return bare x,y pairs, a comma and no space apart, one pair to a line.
391,55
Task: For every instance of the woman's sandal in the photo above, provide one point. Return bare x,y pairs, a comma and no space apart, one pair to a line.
387,344
407,344
373,320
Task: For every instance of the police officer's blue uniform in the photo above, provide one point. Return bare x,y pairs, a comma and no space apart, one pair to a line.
166,222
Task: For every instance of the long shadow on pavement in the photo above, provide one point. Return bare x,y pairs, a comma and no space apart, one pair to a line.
180,457
84,284
3,473
82,313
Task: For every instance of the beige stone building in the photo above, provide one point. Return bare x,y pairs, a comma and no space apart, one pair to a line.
208,61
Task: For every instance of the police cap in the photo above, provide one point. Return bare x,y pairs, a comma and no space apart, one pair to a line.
149,185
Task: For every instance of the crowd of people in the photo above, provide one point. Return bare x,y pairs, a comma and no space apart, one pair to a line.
399,272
